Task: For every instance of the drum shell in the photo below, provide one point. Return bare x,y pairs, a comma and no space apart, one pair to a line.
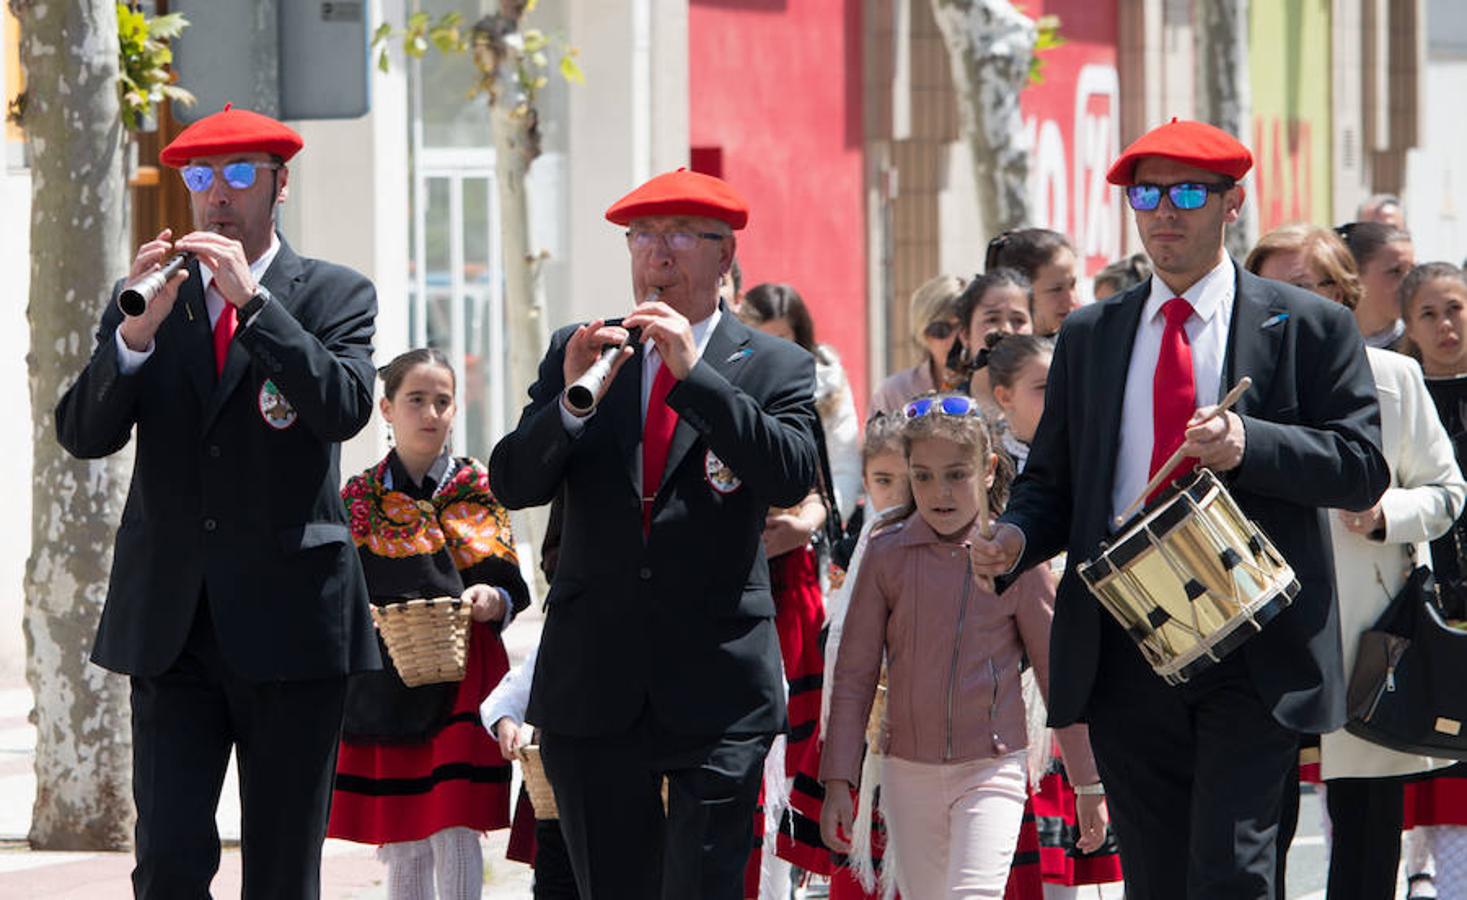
1190,578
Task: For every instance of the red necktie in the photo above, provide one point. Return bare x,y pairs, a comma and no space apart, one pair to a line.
656,438
1173,390
223,333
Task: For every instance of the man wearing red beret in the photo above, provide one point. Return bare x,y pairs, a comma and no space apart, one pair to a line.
1194,774
659,656
236,600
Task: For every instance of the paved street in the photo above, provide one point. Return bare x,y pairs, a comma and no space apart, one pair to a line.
349,871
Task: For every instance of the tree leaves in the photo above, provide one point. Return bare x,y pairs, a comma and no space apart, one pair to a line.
143,78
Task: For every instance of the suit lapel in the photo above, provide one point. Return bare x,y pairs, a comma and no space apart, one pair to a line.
281,280
1254,341
726,352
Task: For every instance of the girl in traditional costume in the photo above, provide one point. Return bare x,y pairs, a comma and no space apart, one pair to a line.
416,773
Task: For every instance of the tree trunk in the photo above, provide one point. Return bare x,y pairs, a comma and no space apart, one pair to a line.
514,123
78,246
990,45
1223,95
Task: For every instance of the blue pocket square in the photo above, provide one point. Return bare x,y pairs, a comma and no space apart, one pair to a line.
739,354
1279,319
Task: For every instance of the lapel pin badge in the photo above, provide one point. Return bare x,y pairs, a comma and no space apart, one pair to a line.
739,354
1279,319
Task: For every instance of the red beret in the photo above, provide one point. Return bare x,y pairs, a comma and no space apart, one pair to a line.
1193,143
682,193
231,131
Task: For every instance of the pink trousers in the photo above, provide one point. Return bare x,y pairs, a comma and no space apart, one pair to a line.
953,827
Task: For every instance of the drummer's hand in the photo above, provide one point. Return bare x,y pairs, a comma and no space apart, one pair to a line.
997,555
837,815
1091,819
507,730
1363,523
584,348
1217,444
486,603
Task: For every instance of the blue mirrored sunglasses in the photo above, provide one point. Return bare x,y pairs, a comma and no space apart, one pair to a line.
1185,195
238,175
945,405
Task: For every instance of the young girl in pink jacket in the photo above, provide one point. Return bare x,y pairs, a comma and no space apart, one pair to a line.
953,772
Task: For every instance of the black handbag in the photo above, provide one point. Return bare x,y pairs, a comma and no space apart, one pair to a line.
1407,690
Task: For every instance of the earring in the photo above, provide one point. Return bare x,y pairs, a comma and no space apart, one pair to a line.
391,441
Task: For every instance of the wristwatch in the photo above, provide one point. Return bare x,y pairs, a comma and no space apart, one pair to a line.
251,307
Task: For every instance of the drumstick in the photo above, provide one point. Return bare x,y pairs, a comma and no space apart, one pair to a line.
1156,480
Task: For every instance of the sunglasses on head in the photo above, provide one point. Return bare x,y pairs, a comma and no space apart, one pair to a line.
940,330
1184,195
238,175
944,405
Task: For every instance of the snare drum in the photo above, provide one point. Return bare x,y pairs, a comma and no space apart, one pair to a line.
1191,578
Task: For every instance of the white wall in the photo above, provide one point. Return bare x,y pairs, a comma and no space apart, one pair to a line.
1436,172
15,436
629,121
348,203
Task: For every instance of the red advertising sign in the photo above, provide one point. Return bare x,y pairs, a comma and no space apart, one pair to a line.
1073,123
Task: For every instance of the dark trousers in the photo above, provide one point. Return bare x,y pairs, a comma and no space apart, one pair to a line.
1365,845
554,877
1194,777
622,846
285,736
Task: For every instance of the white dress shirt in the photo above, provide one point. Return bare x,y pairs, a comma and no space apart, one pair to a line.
130,360
1207,331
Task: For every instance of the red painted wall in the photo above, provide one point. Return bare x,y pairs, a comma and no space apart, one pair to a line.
1073,120
776,87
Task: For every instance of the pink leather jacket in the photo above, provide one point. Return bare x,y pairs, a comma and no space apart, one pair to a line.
953,650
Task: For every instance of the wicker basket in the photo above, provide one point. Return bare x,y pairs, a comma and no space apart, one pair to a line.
542,798
428,639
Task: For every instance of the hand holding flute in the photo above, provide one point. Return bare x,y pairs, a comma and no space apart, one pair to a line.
137,328
594,355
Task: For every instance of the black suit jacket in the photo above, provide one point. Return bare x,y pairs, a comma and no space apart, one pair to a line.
1312,429
225,500
684,620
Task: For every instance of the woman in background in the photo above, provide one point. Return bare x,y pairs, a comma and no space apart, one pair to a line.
933,316
1048,260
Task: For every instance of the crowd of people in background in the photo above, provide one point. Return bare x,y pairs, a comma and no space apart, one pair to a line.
850,686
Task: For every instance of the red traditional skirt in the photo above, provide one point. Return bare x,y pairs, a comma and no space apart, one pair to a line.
386,793
1056,824
1436,801
799,616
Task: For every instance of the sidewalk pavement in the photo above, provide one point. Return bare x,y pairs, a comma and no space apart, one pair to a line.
348,871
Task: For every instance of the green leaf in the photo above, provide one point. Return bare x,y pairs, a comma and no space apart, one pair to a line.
447,40
179,95
383,32
417,21
168,26
416,47
530,6
383,65
570,70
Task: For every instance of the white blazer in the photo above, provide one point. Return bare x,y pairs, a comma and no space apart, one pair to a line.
1426,496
